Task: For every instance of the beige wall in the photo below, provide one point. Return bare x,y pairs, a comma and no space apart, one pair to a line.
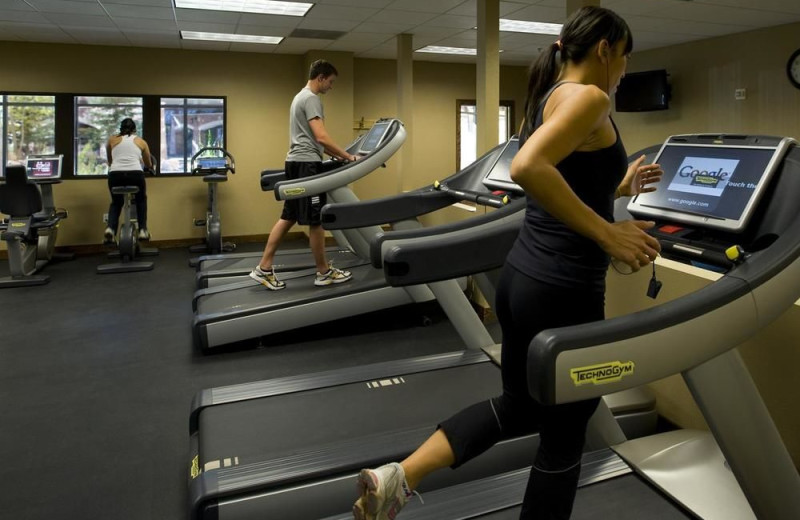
704,75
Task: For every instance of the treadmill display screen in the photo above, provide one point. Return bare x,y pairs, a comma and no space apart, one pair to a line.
711,186
499,177
374,137
39,168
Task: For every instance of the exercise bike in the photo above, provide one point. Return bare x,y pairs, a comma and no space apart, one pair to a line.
31,230
213,163
128,247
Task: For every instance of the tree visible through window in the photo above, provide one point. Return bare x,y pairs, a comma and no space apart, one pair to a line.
29,126
466,130
97,119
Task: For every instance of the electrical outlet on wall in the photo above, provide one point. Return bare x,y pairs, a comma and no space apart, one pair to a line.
105,218
740,94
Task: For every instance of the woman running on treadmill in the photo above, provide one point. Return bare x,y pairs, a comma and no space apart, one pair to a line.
572,165
127,153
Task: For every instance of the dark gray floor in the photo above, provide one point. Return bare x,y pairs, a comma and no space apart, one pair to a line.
97,373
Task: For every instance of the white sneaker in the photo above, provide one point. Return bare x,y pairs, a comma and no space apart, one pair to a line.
144,234
384,491
267,278
108,236
332,275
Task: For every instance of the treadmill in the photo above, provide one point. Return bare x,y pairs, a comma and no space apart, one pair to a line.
296,443
246,310
221,269
748,230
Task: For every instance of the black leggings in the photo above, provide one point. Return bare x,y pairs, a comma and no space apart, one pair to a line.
525,307
127,178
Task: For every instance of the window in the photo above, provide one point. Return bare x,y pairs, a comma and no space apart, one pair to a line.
78,125
466,130
96,119
187,126
29,122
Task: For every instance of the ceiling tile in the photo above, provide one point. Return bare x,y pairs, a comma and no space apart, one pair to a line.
16,5
145,25
451,20
401,17
200,15
425,6
207,27
259,30
335,12
372,4
67,7
135,11
329,25
22,16
392,29
79,20
152,3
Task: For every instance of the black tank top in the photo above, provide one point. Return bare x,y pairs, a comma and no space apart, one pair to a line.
549,251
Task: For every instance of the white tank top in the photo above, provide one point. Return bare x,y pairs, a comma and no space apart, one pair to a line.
126,156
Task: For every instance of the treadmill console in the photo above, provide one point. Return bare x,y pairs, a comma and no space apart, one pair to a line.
708,199
211,164
43,168
499,176
374,137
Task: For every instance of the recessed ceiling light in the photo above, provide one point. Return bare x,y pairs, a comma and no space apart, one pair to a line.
248,6
437,49
529,27
225,37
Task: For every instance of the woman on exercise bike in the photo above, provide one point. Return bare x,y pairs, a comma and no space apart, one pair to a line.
128,155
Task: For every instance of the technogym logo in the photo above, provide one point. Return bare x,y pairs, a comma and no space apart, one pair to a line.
294,191
600,374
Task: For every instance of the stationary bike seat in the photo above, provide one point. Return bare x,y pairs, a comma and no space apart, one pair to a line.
122,190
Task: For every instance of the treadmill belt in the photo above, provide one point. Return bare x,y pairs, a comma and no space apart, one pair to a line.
286,425
626,497
252,298
621,498
286,260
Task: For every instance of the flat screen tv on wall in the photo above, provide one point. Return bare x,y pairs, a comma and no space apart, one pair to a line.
643,92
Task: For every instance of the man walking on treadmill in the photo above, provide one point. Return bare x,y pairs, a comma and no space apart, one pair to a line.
307,141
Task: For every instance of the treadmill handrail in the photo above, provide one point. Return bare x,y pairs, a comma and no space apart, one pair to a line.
452,244
402,206
464,253
349,172
645,346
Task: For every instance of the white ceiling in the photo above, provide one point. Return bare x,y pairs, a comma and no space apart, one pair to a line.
370,26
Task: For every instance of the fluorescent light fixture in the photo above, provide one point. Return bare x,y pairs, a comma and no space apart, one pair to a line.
530,27
225,37
436,49
248,6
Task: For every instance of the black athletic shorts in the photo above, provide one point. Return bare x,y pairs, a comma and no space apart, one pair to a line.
305,211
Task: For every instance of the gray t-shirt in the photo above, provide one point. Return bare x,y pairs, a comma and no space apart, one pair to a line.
303,147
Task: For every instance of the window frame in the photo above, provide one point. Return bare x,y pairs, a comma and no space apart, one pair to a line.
186,106
65,128
5,104
508,103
